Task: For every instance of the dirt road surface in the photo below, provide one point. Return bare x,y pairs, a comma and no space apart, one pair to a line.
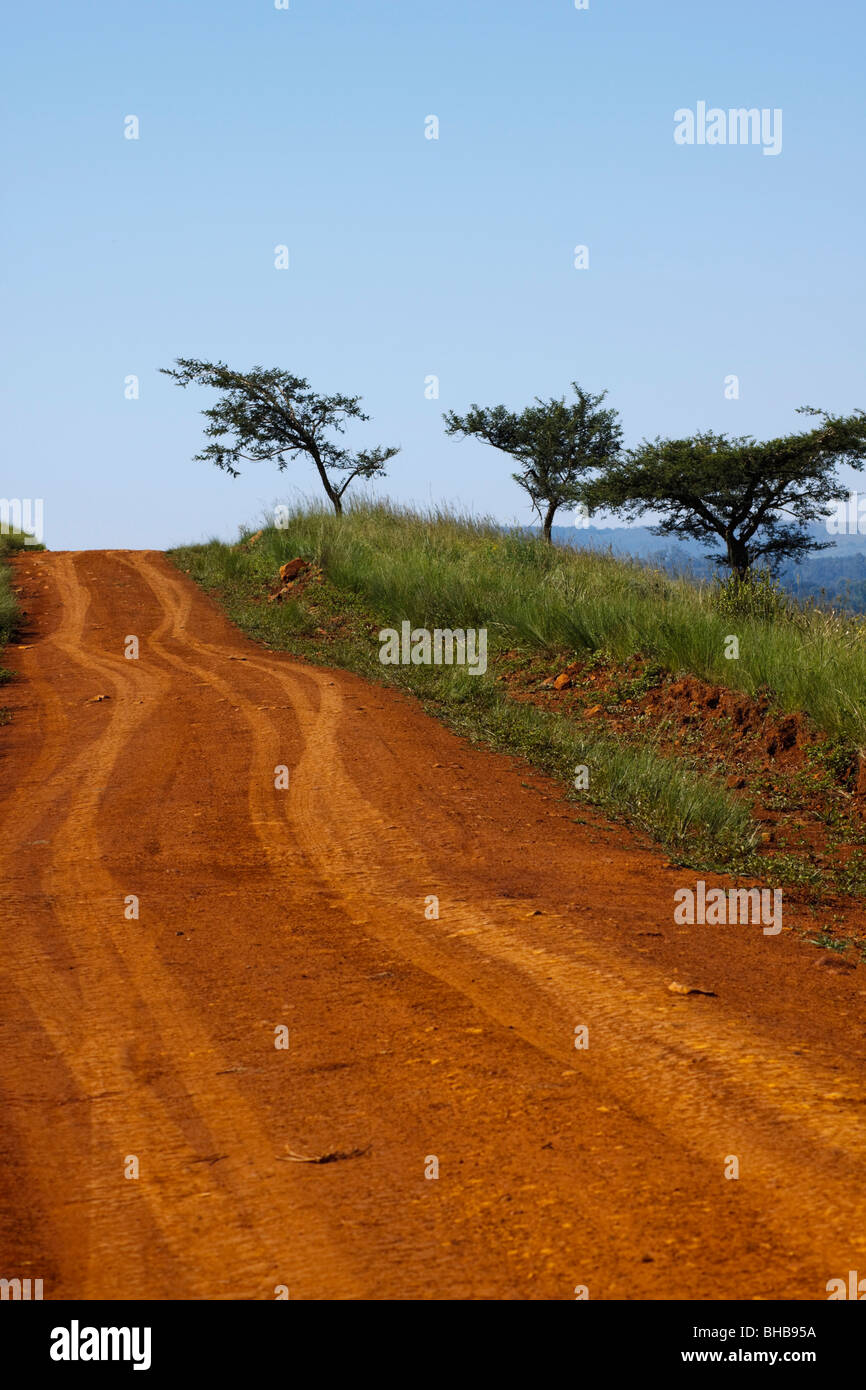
413,1041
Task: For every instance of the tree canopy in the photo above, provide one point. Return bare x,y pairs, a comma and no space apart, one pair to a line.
757,498
271,414
556,444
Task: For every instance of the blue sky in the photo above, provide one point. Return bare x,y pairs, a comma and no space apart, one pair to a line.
412,257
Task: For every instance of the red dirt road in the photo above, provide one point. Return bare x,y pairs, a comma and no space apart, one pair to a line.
409,1038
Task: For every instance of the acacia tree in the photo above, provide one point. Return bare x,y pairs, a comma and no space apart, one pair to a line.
555,443
757,498
270,414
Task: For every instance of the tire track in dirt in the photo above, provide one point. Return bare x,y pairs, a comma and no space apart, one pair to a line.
164,1124
666,1090
778,1095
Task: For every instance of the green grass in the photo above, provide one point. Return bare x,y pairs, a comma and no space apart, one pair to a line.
383,565
10,613
8,601
440,568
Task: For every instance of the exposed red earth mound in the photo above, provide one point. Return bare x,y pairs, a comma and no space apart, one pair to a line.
789,774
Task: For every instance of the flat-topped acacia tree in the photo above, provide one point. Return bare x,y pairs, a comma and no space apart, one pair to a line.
756,498
555,442
269,414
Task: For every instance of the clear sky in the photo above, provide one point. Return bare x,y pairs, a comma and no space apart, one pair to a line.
412,257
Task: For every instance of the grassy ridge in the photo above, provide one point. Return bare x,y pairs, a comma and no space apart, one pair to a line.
439,569
10,613
10,543
383,565
8,602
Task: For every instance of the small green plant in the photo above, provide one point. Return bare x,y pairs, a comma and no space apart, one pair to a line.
635,687
828,942
756,595
788,869
851,877
836,758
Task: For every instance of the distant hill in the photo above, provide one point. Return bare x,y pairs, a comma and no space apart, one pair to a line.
835,576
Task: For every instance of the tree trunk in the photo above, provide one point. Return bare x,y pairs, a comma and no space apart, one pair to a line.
548,521
738,557
333,497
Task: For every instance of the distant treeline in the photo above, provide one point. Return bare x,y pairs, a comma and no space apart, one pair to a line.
835,577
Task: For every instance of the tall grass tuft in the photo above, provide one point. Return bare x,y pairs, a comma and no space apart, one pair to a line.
10,542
